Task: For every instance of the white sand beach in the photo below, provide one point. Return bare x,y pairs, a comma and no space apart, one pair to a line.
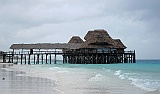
57,79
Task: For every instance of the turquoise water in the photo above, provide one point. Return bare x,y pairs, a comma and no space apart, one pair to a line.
142,77
144,74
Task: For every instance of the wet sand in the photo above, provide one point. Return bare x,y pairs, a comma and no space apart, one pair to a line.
11,82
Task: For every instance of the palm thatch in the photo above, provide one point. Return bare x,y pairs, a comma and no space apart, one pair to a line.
46,46
76,39
94,39
98,38
118,44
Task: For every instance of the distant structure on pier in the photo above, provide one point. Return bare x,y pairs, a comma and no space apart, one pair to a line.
98,48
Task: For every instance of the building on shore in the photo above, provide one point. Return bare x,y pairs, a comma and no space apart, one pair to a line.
98,48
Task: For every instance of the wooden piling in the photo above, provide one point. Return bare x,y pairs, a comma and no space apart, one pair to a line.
134,57
4,57
21,58
63,59
29,60
9,59
34,59
46,58
13,56
25,59
37,58
17,59
42,58
50,59
55,59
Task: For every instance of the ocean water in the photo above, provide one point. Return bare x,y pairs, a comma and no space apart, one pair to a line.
142,77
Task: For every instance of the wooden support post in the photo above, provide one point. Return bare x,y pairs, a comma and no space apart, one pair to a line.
37,58
71,61
92,59
134,57
104,59
108,59
46,58
9,58
75,59
21,58
4,58
34,59
96,58
12,58
25,59
29,60
67,59
131,58
125,58
122,58
63,59
42,58
50,59
55,59
17,59
12,55
116,58
101,59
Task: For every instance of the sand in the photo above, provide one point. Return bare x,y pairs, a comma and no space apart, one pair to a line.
11,82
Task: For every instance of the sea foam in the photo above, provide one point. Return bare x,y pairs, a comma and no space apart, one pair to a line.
145,84
97,77
118,72
139,81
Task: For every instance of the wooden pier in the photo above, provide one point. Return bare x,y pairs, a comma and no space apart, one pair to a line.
98,48
72,58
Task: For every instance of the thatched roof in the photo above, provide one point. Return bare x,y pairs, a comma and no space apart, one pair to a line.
46,46
94,39
101,39
76,39
98,39
119,44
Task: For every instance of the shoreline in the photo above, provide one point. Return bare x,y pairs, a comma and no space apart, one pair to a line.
5,65
63,81
15,82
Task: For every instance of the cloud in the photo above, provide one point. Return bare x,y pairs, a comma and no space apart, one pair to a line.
135,22
31,13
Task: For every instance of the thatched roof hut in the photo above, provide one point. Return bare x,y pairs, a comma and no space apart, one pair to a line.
94,39
101,39
76,39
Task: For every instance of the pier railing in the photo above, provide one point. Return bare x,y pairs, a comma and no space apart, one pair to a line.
60,52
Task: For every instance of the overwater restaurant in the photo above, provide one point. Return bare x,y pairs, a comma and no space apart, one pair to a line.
98,47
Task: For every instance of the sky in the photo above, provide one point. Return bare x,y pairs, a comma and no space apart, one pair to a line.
135,22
